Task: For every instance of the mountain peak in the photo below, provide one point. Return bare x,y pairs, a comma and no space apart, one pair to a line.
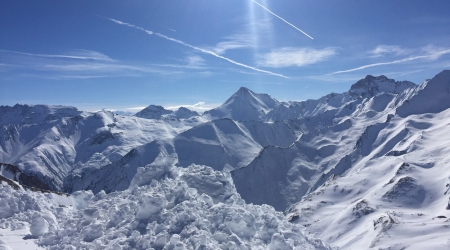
372,85
153,112
183,112
245,104
243,90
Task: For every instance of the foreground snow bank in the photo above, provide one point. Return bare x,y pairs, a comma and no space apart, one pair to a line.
165,208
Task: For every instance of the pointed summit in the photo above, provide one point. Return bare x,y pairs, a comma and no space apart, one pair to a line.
245,105
243,91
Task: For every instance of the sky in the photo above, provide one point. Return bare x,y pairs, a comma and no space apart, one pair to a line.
125,55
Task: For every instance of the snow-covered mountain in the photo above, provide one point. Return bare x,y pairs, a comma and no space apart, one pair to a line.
355,167
158,112
244,105
328,135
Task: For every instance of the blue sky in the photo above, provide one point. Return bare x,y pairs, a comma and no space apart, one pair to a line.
124,55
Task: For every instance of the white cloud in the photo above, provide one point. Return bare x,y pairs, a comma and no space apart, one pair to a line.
295,57
195,61
235,41
382,50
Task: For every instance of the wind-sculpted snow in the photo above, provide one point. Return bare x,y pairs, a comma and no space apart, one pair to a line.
165,208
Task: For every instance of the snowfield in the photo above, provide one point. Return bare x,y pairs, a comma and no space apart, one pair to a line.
367,168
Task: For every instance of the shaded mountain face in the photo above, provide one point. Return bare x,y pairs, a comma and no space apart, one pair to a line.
153,112
371,86
12,172
185,113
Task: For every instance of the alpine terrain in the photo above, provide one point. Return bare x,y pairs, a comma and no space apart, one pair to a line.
367,168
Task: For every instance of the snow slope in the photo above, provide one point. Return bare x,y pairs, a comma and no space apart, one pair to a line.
328,134
54,142
394,190
225,144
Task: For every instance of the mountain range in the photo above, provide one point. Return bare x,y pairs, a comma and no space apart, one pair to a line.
360,169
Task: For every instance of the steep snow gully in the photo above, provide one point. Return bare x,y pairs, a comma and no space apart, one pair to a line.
367,168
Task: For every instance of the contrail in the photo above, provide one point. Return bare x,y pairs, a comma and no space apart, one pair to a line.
196,48
437,54
282,19
92,56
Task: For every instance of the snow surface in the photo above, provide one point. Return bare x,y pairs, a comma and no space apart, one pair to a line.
166,207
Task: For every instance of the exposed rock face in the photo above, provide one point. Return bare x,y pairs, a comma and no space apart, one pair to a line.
14,173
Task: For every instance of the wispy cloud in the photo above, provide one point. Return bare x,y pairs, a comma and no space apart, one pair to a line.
235,41
79,64
432,53
78,54
295,57
382,50
198,48
282,19
194,62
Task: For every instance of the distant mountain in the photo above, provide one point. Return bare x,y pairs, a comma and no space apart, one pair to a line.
371,86
159,112
244,105
184,113
153,112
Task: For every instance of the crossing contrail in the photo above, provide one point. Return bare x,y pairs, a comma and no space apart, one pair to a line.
195,48
282,19
430,56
